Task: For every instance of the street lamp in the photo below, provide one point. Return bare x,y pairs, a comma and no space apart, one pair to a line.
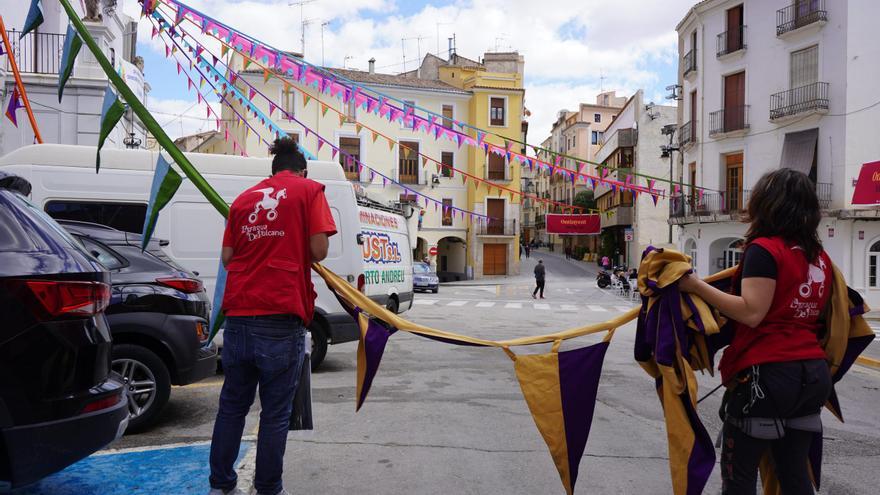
666,152
132,142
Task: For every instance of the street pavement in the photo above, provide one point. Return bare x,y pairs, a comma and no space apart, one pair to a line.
443,419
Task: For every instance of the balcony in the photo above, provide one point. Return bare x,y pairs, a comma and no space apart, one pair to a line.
810,98
686,208
729,120
823,191
36,53
800,14
730,41
689,63
620,215
686,134
497,227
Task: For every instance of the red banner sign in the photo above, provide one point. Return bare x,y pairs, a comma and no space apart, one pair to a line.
867,190
572,224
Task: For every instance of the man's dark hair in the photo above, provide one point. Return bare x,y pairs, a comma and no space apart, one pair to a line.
784,204
287,156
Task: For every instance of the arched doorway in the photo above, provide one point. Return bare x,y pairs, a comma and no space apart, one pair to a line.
873,260
690,249
725,253
451,259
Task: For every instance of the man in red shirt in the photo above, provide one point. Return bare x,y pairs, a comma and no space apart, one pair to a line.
274,232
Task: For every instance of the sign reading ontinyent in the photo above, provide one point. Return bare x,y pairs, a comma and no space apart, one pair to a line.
867,190
572,224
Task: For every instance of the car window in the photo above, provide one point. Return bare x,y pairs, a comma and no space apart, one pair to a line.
421,268
102,253
128,217
12,236
50,222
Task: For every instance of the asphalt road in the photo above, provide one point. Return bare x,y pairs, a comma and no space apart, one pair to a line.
442,419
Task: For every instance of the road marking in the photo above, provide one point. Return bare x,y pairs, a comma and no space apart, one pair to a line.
425,302
456,303
592,307
623,309
542,306
485,304
513,305
569,307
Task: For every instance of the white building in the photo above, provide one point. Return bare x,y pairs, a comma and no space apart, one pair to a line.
774,83
76,119
632,145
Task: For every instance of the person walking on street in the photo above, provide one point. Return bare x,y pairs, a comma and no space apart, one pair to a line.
274,232
606,263
539,279
528,250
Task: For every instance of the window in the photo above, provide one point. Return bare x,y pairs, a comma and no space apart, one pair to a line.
447,212
574,141
733,254
351,111
408,163
497,111
690,247
692,177
349,155
596,137
495,169
734,182
447,116
123,216
597,117
447,158
102,253
288,102
873,254
805,67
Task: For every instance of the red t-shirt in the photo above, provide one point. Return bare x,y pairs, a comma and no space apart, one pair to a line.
789,330
268,229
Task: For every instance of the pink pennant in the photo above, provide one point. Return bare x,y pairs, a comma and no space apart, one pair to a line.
252,93
359,99
333,154
155,32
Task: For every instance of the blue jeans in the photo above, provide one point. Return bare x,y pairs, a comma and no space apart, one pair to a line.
269,353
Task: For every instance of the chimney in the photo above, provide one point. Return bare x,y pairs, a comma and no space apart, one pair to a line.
372,65
451,51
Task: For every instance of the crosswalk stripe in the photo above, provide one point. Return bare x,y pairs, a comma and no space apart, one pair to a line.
592,307
426,302
568,307
513,306
541,306
456,303
623,309
485,304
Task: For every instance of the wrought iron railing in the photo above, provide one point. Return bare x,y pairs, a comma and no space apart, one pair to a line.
823,191
686,134
497,226
729,119
689,62
710,203
799,14
797,100
730,41
36,53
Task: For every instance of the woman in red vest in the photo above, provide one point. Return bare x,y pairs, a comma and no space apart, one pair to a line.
774,368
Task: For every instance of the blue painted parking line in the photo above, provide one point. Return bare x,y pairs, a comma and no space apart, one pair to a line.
181,469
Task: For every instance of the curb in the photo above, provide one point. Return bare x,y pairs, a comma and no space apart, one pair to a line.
869,362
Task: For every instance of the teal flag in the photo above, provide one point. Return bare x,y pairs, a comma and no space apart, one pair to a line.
165,183
34,18
217,310
111,111
72,44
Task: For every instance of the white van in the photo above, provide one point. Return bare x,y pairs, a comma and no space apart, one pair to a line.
387,256
65,186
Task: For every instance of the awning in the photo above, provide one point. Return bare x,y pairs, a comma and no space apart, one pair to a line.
799,149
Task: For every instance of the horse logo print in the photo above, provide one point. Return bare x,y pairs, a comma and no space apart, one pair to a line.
268,203
815,280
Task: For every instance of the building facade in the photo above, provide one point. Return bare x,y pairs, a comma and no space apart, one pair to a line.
631,145
75,120
770,84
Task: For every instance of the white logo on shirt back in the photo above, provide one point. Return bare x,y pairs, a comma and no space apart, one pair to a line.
268,203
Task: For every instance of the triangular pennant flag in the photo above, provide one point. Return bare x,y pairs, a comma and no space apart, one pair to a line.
320,144
371,346
246,63
251,93
166,181
271,109
34,17
306,99
266,75
72,44
375,136
390,143
357,128
333,154
341,119
154,32
324,109
111,111
223,50
14,104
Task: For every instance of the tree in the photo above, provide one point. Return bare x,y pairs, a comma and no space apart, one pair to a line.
585,200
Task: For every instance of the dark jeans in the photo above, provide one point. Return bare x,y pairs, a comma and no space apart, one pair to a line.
269,353
539,286
792,389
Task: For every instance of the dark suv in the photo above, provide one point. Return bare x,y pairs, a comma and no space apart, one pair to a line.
158,316
59,400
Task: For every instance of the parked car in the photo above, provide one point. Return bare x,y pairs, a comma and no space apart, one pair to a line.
59,399
424,278
158,316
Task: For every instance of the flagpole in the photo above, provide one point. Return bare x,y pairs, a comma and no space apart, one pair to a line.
167,144
18,83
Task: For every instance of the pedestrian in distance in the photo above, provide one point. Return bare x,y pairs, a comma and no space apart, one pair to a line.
774,368
528,250
539,279
274,232
568,252
606,263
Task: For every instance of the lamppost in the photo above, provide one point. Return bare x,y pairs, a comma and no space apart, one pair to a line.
666,152
131,142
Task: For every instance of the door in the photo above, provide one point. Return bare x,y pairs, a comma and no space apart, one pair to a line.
693,111
734,101
495,211
494,259
734,29
408,166
734,181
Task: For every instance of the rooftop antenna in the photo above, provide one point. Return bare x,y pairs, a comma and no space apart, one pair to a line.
302,39
323,24
418,48
503,37
345,61
601,81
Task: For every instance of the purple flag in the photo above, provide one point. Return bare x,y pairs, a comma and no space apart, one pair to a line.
14,104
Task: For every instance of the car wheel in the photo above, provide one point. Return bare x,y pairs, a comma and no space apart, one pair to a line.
147,383
435,290
319,343
392,304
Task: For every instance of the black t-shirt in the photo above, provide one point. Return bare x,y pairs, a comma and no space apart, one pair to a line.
758,262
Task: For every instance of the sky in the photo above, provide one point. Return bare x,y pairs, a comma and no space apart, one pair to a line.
573,48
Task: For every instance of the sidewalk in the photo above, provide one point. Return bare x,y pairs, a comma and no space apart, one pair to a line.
590,267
